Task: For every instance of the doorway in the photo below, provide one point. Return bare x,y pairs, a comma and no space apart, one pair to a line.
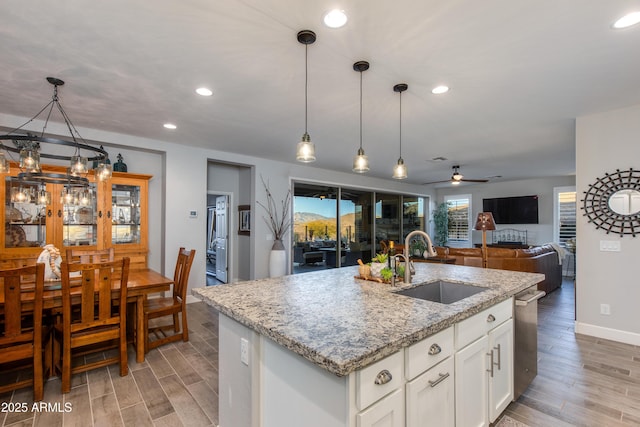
217,238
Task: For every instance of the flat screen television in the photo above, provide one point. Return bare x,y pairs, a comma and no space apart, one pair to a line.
512,210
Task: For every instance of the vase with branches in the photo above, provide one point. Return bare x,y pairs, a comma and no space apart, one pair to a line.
278,220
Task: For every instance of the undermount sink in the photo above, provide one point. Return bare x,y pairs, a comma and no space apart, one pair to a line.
442,291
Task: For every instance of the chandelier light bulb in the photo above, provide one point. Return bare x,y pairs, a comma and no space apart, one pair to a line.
78,165
29,160
104,172
44,197
4,164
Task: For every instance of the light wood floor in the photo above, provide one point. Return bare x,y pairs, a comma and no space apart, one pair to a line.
581,381
177,385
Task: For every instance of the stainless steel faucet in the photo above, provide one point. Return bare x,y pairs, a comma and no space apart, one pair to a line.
407,241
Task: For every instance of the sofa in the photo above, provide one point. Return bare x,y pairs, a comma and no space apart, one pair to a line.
538,259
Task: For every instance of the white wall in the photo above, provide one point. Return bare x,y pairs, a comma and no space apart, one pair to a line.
184,180
606,142
537,234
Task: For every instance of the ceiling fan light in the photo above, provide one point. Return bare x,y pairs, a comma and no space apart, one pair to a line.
457,177
360,162
400,170
306,152
455,182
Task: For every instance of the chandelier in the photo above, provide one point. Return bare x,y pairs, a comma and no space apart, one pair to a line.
26,148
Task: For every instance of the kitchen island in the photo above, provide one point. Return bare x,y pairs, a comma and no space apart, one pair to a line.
294,349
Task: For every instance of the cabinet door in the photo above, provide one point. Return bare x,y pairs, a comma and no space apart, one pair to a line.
24,218
501,384
77,213
126,207
388,412
472,384
430,397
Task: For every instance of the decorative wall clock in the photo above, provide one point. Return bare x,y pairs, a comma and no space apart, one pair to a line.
612,203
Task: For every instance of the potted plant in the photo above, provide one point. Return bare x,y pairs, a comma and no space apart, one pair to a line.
279,222
441,224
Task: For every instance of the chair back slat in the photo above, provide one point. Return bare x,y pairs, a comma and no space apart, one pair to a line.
88,256
181,274
95,289
17,282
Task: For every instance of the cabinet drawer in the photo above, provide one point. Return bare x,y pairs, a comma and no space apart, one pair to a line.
479,324
388,412
428,352
378,380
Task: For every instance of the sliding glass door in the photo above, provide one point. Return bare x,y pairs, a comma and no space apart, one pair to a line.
337,226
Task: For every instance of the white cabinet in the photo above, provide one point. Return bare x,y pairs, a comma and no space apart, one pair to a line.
472,384
501,376
389,412
430,397
484,368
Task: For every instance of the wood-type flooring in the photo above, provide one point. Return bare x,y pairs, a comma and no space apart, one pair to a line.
582,381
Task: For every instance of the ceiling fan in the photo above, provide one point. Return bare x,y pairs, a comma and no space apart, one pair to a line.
457,178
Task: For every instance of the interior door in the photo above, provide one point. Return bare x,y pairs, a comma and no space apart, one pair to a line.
222,234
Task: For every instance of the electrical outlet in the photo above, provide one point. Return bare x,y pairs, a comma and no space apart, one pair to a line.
609,245
605,309
244,351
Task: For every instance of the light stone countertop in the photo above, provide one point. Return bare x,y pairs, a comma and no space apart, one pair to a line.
343,324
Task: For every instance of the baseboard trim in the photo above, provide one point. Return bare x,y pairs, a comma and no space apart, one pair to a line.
607,333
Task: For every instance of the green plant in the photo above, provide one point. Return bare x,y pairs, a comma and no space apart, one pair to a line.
386,274
441,224
382,258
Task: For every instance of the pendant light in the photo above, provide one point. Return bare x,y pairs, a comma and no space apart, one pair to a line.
360,161
306,151
400,170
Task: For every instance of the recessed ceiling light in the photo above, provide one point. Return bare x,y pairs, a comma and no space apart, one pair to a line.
627,20
170,126
335,18
440,89
204,91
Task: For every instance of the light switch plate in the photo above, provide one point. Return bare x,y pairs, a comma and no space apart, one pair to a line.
610,245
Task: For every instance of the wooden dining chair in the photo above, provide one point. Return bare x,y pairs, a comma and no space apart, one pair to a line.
170,306
87,256
91,319
24,336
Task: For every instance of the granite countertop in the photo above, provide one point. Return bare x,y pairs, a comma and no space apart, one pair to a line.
343,324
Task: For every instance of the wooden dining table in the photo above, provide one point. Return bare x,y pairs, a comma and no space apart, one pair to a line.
140,284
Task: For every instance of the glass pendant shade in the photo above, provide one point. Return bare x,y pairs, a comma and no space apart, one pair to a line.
78,165
4,164
360,162
103,172
84,197
44,197
29,160
306,152
67,196
400,170
20,195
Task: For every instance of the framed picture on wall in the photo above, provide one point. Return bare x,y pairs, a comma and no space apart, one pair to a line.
244,220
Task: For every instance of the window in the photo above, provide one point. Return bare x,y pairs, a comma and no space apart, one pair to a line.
459,217
564,217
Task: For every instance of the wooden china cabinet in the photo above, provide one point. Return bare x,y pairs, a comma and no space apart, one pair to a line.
115,215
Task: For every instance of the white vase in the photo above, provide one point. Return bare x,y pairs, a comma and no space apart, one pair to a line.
277,260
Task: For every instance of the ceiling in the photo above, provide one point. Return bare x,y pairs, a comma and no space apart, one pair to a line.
520,72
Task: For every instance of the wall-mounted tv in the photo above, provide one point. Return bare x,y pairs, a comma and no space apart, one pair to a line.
512,210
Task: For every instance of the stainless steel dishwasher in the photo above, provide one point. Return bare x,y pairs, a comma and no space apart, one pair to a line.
526,339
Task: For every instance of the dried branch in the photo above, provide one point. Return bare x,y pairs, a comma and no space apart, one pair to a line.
279,223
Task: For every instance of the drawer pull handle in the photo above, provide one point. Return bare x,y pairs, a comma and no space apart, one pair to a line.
441,378
383,377
491,318
434,349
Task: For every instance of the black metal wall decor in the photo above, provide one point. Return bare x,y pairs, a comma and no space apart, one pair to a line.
601,210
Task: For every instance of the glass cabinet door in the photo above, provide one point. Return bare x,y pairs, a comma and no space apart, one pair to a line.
79,216
125,214
24,214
